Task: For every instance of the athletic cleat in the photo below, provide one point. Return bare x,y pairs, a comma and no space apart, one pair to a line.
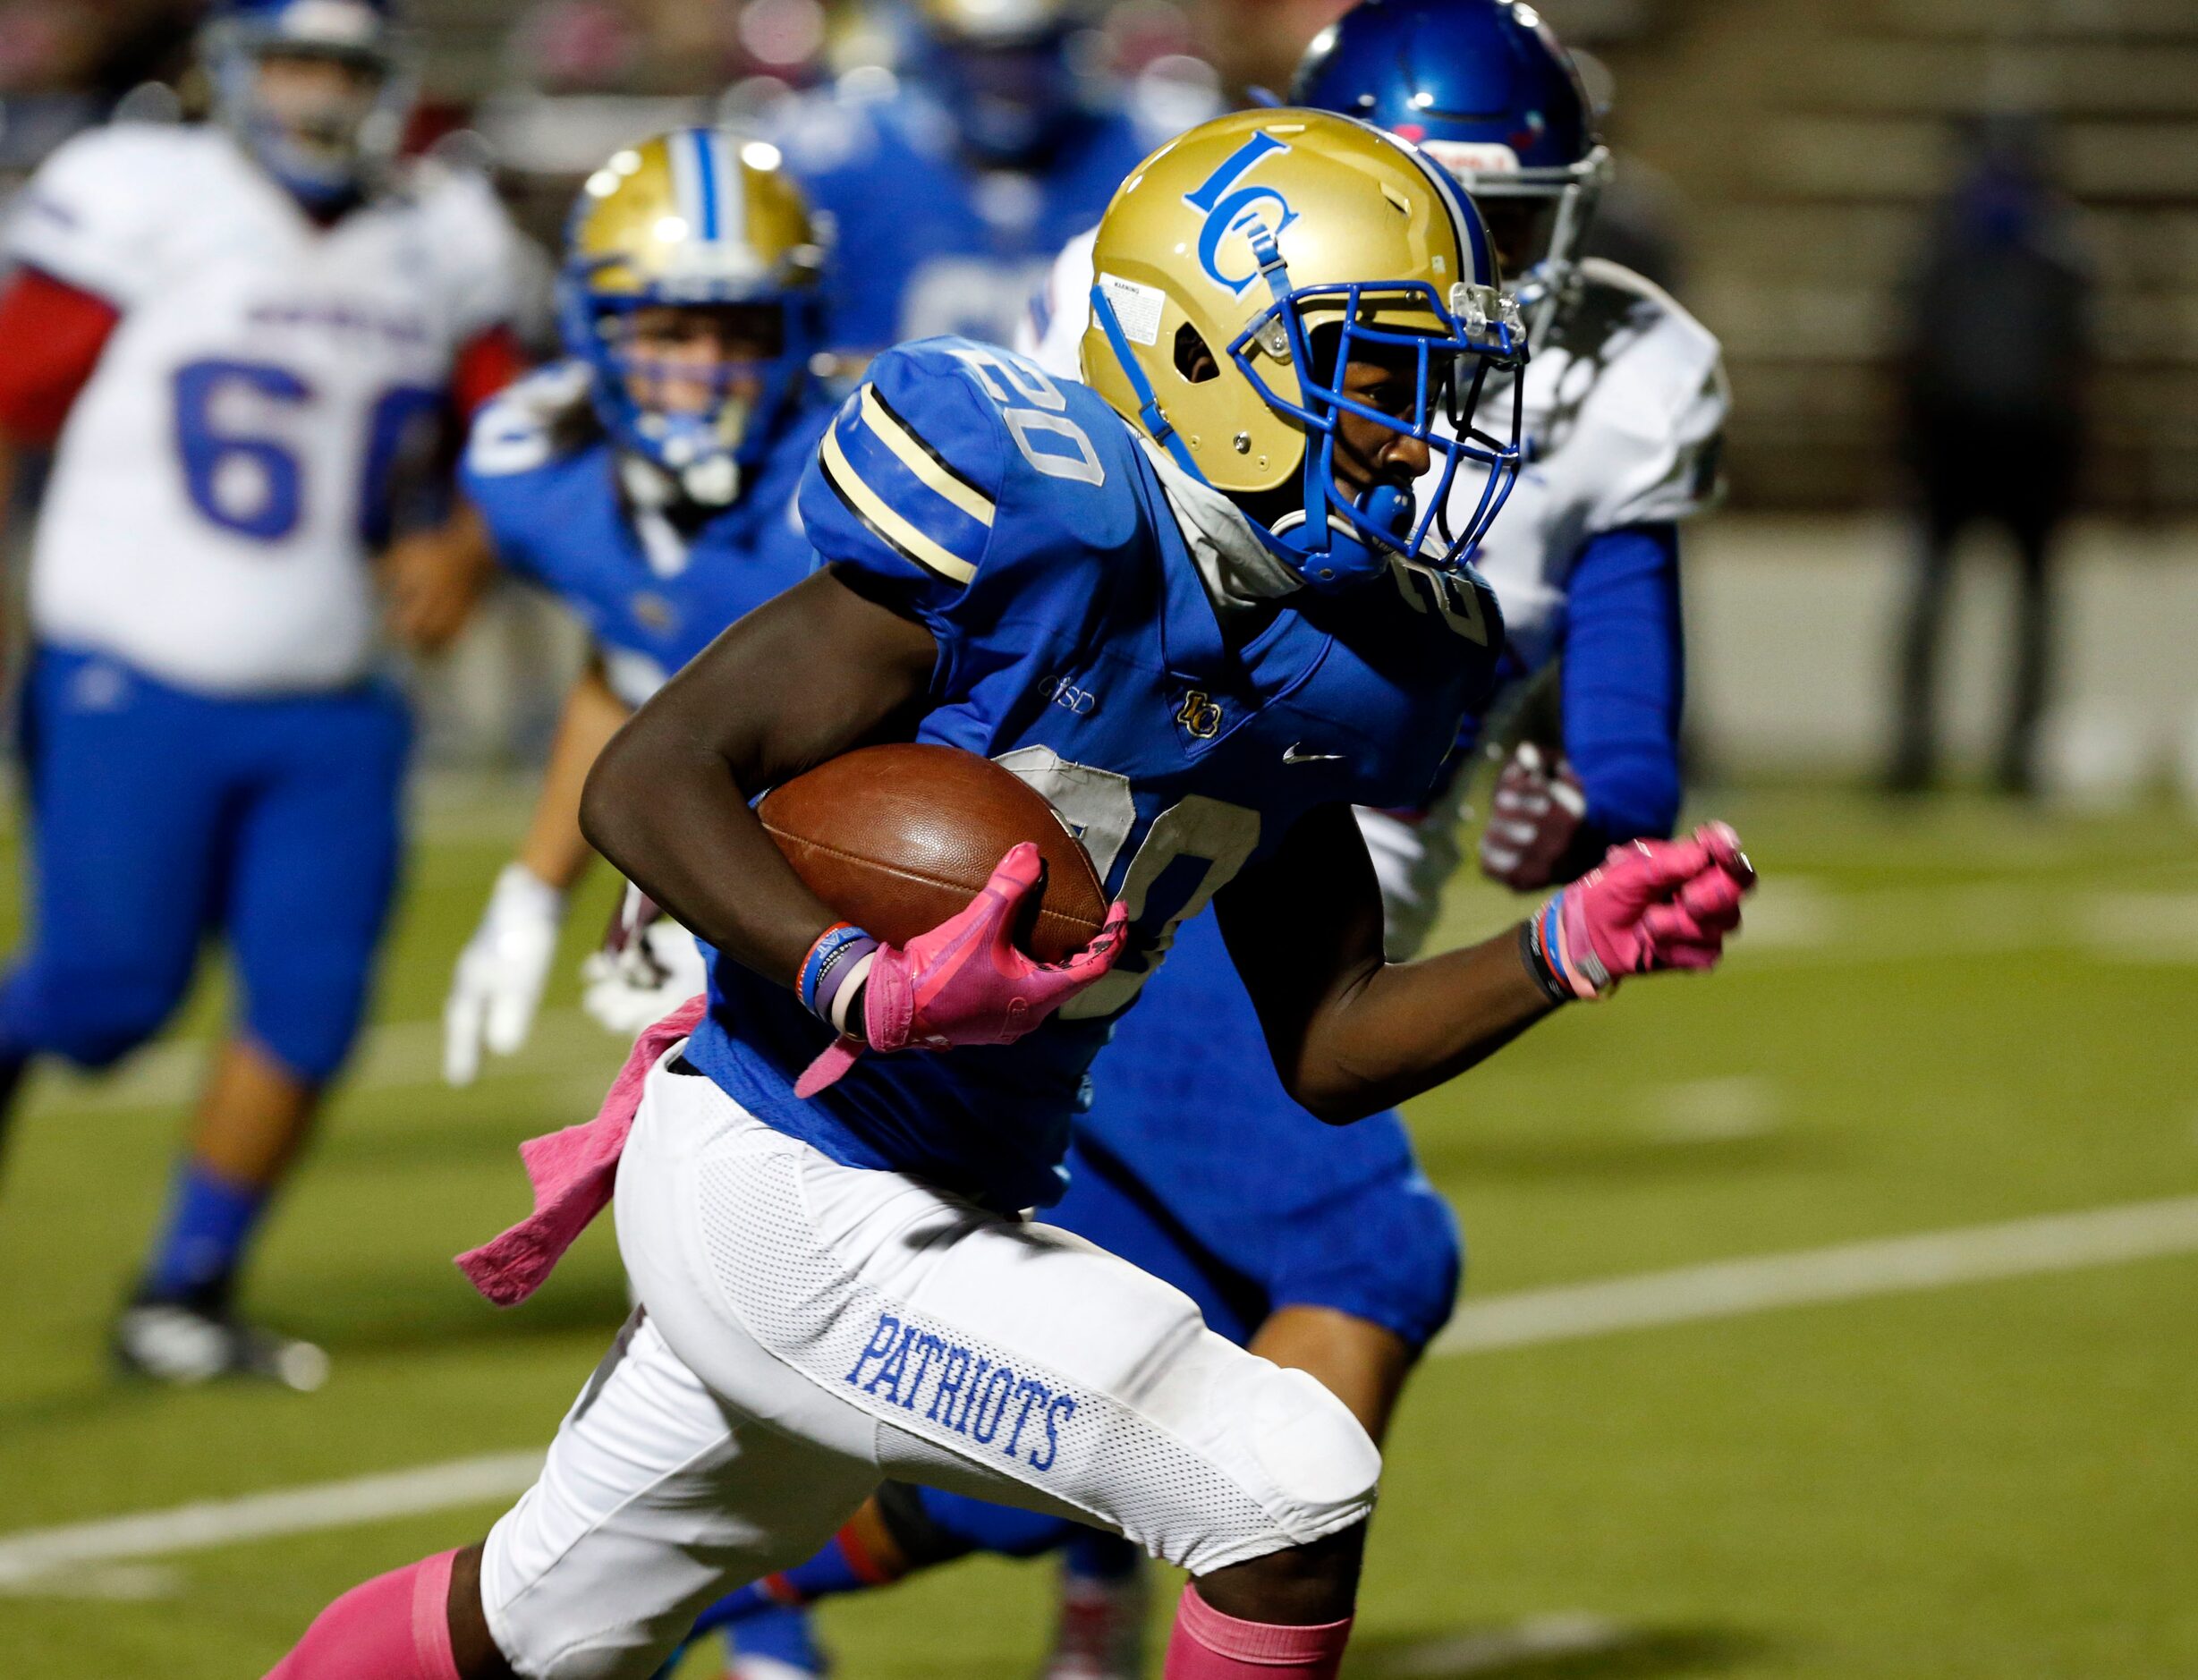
1101,1632
777,1643
185,1342
746,1668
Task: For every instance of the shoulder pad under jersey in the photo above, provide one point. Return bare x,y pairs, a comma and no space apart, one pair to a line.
92,215
1653,419
476,248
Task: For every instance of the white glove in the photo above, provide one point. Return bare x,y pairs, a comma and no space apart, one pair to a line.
497,985
648,966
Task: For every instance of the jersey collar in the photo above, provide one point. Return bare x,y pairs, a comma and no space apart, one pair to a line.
1238,570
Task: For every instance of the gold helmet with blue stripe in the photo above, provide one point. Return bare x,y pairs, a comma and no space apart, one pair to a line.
699,219
1242,265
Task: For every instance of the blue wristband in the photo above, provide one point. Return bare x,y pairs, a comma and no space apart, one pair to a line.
827,963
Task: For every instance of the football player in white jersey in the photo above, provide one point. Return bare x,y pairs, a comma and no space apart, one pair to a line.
240,340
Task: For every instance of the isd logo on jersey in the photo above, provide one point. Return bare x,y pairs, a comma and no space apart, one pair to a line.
1200,714
1237,211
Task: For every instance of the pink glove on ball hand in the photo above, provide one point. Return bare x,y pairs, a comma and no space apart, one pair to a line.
964,982
1651,904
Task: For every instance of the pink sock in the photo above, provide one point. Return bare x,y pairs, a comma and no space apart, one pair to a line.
1208,1645
394,1627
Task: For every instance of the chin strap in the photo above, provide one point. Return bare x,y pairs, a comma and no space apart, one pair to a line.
1149,413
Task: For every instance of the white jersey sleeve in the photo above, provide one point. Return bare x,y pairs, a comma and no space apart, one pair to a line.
1052,330
1652,425
1622,409
483,270
94,216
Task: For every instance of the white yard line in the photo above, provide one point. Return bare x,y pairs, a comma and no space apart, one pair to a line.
1851,1271
1536,1641
27,1555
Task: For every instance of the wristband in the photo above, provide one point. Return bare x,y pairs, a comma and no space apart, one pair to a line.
1538,949
832,973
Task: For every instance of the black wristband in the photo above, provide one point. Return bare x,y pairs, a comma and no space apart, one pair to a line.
1536,962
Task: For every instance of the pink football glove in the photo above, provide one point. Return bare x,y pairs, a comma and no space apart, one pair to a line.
1651,904
1534,821
964,982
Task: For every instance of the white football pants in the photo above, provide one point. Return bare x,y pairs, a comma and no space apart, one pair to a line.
808,1329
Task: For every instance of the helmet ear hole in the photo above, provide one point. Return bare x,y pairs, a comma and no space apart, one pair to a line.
1194,359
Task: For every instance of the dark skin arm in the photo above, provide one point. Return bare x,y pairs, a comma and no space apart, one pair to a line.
818,672
1352,1033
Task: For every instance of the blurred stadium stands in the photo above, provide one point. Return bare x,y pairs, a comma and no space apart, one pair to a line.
1794,145
1780,159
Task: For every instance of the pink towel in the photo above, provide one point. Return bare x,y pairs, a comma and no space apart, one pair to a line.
573,1172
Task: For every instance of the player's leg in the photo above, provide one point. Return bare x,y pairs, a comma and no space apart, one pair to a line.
1945,474
2032,517
1017,1362
312,865
654,1493
126,784
906,1529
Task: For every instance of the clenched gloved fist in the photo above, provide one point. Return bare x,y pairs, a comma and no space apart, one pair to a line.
1651,904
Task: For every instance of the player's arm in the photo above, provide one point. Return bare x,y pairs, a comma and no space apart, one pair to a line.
53,333
554,850
1623,676
497,985
827,666
1352,1034
436,577
1624,679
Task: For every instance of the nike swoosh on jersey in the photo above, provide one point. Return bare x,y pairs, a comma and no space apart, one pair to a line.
1292,755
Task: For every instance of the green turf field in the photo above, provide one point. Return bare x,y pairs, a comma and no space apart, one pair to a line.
1944,1018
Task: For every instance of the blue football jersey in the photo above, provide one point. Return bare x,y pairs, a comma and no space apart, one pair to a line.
559,518
1023,522
929,244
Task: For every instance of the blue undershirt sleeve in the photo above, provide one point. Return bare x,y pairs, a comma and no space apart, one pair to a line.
1624,679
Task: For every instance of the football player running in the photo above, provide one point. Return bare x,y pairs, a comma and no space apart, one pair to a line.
817,1170
245,337
648,481
1330,1251
953,186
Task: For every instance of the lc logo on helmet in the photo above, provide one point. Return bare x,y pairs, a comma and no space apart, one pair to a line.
1236,212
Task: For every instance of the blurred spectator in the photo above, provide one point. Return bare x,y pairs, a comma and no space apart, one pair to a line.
1992,369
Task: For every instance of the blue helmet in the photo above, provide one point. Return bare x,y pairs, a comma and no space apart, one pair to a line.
1484,88
327,151
1003,70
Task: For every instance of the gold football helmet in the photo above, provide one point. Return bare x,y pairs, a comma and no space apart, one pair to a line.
1245,264
699,219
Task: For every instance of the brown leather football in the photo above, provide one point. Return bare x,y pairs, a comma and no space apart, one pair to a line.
898,838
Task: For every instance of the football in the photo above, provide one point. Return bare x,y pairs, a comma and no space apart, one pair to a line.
898,838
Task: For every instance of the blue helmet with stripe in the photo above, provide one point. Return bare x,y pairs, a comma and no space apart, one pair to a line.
327,139
1483,88
698,219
